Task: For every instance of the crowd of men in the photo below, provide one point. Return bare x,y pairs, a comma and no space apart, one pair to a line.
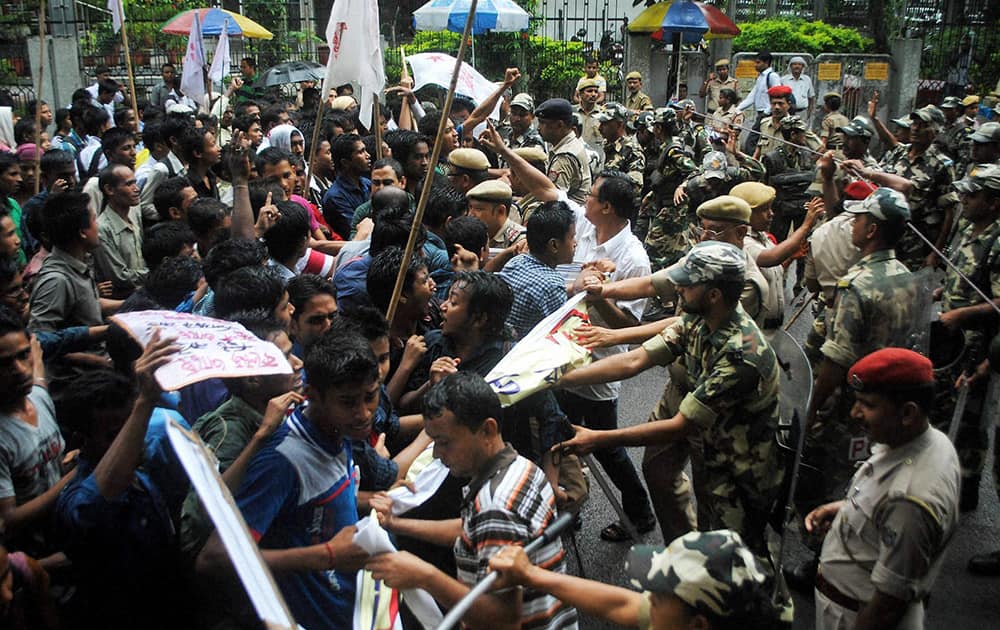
684,229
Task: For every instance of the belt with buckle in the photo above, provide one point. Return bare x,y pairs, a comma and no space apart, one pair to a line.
834,595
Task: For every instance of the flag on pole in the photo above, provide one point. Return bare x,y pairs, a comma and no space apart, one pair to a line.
355,55
220,62
117,14
193,74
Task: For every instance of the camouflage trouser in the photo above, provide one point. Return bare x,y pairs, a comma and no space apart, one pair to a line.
972,440
815,338
670,489
641,226
669,236
912,250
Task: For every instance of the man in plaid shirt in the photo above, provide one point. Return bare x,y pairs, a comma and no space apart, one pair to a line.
507,502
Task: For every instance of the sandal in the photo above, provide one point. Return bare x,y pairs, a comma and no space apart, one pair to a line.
616,531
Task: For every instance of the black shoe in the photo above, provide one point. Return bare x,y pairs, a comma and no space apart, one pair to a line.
985,564
969,499
802,578
616,531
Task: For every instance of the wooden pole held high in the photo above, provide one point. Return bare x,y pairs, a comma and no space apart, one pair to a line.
376,114
425,192
128,67
38,96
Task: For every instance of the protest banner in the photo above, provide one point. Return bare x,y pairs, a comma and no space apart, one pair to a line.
210,348
543,356
202,468
435,68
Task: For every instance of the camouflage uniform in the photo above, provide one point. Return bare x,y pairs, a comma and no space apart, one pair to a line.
978,257
874,308
625,155
695,138
669,228
931,173
733,400
789,171
714,573
529,138
569,167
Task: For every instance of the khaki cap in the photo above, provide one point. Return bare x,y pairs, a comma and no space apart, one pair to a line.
588,83
469,159
532,154
491,190
633,75
725,208
754,193
721,62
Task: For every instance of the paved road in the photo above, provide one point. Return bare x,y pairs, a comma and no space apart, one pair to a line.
959,601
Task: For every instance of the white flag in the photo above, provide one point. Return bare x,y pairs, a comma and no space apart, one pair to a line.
355,56
193,74
220,62
117,14
436,68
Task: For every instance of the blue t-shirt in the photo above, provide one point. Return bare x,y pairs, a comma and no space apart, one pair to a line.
351,282
160,460
300,491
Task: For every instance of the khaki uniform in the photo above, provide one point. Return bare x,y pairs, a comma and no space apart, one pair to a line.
828,129
526,205
591,135
734,402
932,174
638,102
772,310
768,133
892,530
726,117
569,167
626,155
713,89
509,234
841,177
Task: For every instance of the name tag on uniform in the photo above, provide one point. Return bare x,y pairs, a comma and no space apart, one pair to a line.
858,449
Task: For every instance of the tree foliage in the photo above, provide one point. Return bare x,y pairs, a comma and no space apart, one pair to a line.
796,35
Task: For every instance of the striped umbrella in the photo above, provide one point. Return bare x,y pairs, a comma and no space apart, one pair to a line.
491,15
213,21
693,20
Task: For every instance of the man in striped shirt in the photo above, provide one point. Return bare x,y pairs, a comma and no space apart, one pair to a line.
507,502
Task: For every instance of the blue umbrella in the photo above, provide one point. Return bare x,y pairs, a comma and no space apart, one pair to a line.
686,19
491,15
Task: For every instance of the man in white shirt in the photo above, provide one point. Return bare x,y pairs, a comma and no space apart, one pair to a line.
802,88
767,78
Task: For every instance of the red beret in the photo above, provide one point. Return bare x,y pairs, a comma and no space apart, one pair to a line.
890,368
780,90
859,190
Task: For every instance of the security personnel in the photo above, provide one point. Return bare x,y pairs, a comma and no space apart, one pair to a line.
637,100
717,175
954,128
692,132
885,541
762,250
621,151
975,250
716,82
467,168
932,201
642,126
790,170
490,202
523,133
874,308
985,146
527,203
732,404
857,135
588,109
667,239
569,165
830,134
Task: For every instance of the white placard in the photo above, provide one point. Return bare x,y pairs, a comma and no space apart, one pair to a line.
210,348
202,468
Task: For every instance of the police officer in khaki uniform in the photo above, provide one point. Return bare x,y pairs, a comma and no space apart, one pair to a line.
621,151
885,541
569,165
637,100
490,202
716,82
588,109
526,202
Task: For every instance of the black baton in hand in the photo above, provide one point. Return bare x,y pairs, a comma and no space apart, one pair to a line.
458,611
